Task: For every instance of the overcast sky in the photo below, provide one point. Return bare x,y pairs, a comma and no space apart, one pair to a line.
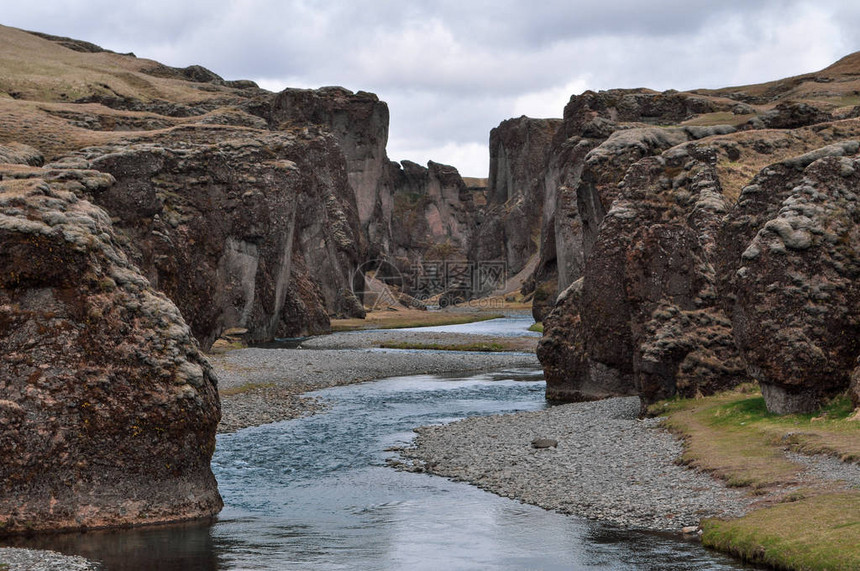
450,70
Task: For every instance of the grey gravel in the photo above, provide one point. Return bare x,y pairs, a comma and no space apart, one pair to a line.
373,338
827,468
40,560
608,465
272,380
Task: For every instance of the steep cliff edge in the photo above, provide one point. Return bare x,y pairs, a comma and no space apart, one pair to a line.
243,218
409,214
642,217
211,175
109,410
218,226
359,122
507,226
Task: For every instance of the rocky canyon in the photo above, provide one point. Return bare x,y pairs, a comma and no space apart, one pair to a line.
672,243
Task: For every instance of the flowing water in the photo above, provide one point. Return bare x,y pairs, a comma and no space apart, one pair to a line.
315,493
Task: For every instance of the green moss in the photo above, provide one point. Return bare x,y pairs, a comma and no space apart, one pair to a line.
537,327
478,347
734,437
809,534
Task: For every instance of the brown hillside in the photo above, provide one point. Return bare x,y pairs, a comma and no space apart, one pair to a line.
58,99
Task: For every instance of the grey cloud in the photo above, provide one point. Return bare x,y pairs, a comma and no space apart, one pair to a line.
451,69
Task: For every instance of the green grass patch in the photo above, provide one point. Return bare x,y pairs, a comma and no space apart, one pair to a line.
423,319
816,533
478,347
719,118
733,436
232,391
538,326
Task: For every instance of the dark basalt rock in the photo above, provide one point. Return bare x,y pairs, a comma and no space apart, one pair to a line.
359,122
221,227
108,409
591,153
646,321
433,217
790,269
519,151
570,375
791,115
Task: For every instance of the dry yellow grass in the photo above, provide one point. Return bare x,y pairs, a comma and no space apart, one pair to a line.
41,79
733,437
42,70
404,318
760,148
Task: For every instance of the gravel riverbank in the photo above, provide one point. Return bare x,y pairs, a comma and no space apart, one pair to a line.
16,559
607,465
371,339
259,386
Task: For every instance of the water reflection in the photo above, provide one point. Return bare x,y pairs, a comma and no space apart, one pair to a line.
175,547
510,326
315,494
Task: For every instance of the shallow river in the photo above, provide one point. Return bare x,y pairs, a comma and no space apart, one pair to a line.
315,493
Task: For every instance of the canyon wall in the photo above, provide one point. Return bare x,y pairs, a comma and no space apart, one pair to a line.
408,213
700,240
221,226
508,224
174,205
249,209
109,410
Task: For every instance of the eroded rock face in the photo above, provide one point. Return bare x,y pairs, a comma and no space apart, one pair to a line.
220,226
570,375
108,410
676,290
359,122
434,213
519,151
649,301
644,319
790,115
591,154
791,269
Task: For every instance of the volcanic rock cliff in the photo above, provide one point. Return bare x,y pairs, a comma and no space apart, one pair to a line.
408,213
507,228
250,209
219,217
174,205
241,225
108,409
670,283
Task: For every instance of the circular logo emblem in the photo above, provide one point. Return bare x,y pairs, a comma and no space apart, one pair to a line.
378,284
